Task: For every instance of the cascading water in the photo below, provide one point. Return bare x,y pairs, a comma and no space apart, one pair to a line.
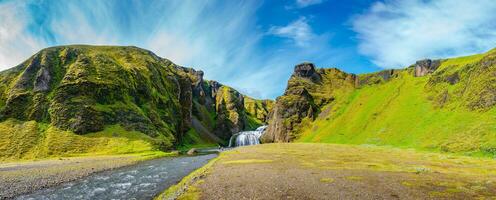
246,138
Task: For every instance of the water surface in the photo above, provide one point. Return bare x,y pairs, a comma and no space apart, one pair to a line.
141,181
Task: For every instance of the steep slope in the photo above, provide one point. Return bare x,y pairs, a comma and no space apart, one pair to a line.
307,91
86,89
444,105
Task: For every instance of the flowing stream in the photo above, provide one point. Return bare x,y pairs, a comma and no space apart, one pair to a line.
141,181
246,138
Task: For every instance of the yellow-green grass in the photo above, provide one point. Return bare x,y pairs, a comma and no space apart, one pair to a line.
247,161
326,180
399,113
454,63
32,140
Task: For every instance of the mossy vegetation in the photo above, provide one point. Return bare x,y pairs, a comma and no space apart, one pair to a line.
193,139
85,88
94,90
451,109
257,111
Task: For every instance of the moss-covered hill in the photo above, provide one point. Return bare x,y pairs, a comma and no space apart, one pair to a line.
443,105
108,91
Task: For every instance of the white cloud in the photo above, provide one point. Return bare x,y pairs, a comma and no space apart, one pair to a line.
16,44
72,23
299,31
306,3
396,33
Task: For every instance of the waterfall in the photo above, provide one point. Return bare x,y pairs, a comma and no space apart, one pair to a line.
246,138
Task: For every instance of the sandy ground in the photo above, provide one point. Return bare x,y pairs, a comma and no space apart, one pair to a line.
23,177
323,171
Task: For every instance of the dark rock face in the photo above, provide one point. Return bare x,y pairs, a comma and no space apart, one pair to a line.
386,74
42,80
186,101
287,113
231,117
453,78
307,70
376,78
424,67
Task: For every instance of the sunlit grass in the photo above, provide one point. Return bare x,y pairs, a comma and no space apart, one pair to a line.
32,140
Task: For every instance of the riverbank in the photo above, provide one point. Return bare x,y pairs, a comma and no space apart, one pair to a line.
28,176
328,171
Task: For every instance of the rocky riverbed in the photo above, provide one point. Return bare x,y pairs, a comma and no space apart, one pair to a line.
140,181
24,177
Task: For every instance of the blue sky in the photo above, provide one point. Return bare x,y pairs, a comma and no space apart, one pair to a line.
253,45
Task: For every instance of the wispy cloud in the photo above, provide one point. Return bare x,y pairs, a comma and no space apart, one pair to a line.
15,42
299,31
306,3
298,4
395,33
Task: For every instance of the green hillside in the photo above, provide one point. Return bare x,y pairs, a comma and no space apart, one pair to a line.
82,99
450,109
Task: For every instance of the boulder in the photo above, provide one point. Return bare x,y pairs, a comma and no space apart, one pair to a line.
424,67
192,152
307,70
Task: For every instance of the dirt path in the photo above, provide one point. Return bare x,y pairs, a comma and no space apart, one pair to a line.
323,171
24,177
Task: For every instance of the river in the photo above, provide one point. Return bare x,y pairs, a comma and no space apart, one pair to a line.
141,181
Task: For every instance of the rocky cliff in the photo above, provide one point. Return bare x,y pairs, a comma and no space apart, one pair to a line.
84,89
307,91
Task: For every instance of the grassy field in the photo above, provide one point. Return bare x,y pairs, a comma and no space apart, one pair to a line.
31,140
333,171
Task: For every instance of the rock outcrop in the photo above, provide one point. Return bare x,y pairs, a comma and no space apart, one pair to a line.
307,70
307,91
424,67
